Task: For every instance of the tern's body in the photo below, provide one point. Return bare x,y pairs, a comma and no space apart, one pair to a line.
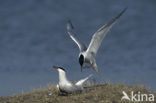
66,86
87,55
89,59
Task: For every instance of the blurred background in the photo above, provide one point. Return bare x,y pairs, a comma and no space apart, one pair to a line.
33,38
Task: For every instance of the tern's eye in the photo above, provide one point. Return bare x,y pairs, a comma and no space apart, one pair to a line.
62,69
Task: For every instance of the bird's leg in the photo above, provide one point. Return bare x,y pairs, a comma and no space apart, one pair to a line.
87,66
68,95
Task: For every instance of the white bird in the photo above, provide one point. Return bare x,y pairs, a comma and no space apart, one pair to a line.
65,86
87,55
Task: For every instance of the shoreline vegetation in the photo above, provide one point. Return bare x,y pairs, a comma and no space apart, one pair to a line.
101,93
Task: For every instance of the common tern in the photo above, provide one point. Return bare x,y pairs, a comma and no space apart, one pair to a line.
67,87
87,55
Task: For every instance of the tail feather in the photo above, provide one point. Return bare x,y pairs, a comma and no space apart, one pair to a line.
95,67
80,82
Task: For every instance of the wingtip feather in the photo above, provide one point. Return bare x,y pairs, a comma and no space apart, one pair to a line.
69,25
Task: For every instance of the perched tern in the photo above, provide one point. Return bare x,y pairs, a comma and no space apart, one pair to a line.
87,55
67,87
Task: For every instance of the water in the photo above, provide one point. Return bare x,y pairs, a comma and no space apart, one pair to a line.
33,38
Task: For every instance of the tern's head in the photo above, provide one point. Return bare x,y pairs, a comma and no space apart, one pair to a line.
62,74
81,60
60,69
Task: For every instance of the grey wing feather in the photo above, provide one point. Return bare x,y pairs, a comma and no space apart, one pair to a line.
99,35
80,44
80,82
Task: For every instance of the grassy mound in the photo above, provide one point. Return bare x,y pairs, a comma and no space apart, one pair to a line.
102,93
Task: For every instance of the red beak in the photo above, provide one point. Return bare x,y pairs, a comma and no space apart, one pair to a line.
55,67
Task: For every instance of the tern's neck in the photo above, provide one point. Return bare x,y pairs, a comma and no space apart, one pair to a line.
62,77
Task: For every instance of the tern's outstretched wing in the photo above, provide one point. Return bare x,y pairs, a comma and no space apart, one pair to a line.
80,44
80,82
99,35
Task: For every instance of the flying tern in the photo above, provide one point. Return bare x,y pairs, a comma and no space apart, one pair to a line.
67,87
87,55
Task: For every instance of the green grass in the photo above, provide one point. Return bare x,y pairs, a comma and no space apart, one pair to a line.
102,93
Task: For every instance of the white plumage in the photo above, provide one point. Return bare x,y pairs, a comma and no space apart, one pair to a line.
87,55
66,86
